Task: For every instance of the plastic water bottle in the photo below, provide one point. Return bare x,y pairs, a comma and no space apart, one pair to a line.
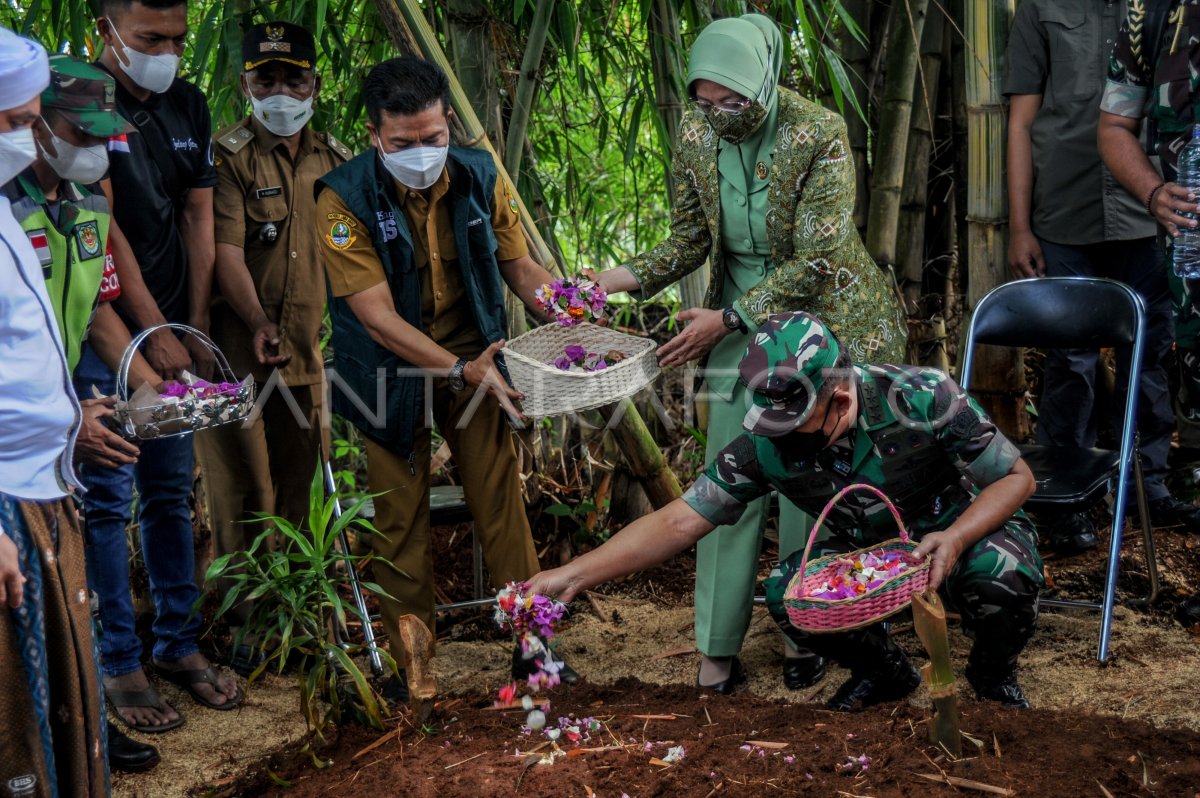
1186,257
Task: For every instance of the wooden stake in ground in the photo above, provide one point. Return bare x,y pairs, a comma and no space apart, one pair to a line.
417,641
929,619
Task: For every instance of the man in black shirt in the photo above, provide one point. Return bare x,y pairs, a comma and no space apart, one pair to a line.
162,178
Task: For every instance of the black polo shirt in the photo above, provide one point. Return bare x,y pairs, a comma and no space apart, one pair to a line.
152,172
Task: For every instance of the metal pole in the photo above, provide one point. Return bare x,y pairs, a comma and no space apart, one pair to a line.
355,587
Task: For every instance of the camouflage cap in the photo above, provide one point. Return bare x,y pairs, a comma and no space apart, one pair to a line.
85,96
278,41
784,367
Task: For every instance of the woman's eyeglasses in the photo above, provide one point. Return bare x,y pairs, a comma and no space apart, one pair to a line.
731,107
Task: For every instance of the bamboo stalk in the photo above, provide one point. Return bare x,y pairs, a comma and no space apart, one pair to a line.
668,69
518,121
646,461
910,239
858,61
1000,377
908,22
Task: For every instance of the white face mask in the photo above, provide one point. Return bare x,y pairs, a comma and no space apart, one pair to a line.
281,114
84,165
153,73
416,167
18,149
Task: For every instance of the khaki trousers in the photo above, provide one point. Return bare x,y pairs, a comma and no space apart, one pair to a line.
265,465
486,461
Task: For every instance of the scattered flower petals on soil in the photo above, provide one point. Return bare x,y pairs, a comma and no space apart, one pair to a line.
675,754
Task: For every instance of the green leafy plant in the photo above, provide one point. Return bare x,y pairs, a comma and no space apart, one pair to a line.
291,574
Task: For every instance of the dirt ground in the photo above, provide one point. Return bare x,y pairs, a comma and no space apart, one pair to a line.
1132,724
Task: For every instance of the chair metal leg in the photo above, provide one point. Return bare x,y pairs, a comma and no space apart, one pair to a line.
355,587
1147,537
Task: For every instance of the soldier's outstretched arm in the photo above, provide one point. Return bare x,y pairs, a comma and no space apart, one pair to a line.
647,541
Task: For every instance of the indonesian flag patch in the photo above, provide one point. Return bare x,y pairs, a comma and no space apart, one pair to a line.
119,143
41,245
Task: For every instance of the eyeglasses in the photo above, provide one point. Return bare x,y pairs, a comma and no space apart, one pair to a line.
731,107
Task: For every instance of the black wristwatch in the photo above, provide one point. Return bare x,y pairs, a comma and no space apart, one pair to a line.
455,377
733,319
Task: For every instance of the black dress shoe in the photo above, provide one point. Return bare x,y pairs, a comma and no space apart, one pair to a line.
737,676
395,689
1001,687
523,667
801,672
128,755
1073,533
1189,611
1167,511
868,689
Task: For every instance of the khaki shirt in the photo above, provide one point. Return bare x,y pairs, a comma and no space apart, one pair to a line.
259,185
445,310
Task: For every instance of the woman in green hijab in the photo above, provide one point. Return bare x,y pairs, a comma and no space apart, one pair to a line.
764,190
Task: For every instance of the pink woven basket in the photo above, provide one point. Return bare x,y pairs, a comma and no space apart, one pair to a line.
814,614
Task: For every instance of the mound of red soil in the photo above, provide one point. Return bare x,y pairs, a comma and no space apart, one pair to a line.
738,746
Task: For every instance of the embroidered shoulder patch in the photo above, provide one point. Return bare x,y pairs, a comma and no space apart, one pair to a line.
339,236
88,236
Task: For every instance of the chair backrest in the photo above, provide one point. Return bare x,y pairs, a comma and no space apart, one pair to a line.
1072,313
1055,313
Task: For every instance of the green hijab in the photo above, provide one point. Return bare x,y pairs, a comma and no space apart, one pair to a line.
744,54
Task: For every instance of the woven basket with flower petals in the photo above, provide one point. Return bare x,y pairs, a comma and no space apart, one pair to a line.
813,614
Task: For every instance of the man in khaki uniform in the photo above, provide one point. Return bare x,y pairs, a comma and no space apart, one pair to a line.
420,239
268,316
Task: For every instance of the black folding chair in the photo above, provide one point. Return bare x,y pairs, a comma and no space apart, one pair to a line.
1076,313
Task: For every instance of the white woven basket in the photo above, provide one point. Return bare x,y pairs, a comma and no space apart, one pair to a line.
550,391
160,419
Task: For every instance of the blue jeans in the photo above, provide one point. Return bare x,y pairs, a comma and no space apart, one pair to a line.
163,476
1066,416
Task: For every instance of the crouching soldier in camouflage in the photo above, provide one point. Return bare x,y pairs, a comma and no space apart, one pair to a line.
819,424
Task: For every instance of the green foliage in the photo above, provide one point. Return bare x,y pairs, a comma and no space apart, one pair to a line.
587,531
291,575
601,147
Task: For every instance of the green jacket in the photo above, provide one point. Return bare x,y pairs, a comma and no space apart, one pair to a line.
369,191
72,252
818,262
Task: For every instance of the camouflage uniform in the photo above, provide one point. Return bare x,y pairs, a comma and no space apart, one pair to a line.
931,448
1159,82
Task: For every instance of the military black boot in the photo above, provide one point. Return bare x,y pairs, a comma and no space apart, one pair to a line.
997,684
879,672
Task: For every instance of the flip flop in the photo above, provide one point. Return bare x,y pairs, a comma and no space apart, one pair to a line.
148,697
188,679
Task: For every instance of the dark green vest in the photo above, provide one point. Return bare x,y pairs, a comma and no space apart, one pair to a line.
382,394
71,251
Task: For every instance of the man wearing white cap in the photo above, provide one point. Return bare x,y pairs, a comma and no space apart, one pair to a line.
49,685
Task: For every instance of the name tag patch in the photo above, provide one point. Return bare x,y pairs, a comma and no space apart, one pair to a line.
271,191
474,222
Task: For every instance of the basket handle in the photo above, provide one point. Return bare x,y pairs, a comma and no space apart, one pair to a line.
135,344
812,536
